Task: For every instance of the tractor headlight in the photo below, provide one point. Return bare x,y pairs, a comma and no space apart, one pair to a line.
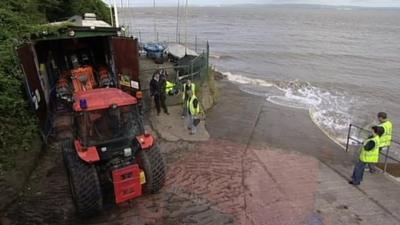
71,33
127,152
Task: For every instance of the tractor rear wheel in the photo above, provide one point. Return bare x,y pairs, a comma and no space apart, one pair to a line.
152,162
83,181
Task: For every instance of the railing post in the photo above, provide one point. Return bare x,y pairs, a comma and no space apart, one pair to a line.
207,58
191,69
348,138
195,43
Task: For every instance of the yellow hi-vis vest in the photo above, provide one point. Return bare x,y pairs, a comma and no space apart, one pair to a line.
386,138
192,85
193,110
169,87
371,156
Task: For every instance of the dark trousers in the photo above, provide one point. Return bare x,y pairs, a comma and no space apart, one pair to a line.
159,100
185,108
358,172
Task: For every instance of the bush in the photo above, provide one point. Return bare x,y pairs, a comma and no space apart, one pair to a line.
19,18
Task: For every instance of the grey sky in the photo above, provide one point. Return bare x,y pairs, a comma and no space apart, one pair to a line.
365,3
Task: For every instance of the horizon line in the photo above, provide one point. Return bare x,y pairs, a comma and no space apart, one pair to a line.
267,4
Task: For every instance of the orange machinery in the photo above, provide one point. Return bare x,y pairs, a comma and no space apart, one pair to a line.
83,79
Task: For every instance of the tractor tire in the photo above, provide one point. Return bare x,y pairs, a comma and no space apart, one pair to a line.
153,164
83,181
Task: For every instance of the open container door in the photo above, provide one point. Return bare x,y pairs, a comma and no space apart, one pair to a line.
33,84
126,58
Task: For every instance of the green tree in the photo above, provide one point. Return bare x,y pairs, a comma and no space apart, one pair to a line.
62,9
95,6
17,128
17,19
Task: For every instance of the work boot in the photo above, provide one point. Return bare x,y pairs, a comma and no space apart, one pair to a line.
376,171
352,183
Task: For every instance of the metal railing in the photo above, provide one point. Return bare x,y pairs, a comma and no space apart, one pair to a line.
395,144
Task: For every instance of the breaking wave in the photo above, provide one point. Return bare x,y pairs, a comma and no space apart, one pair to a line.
246,80
221,57
330,110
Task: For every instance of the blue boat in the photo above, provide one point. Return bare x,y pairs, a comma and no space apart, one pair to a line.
155,50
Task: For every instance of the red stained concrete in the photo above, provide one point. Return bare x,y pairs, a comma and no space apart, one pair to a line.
256,186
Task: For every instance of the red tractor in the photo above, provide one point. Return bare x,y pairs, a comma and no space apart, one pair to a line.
84,87
111,151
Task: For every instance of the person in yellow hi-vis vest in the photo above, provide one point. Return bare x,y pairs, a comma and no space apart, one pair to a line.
170,88
187,86
386,139
369,154
193,112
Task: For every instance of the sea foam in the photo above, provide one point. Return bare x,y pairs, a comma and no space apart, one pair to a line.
329,110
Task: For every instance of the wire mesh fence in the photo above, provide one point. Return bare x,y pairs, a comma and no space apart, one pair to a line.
195,68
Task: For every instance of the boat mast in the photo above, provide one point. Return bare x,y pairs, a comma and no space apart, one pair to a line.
177,23
186,12
155,26
116,14
131,15
121,11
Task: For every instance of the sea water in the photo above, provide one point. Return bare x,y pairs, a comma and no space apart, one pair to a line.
342,66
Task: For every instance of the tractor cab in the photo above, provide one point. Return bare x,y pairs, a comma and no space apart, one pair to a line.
106,116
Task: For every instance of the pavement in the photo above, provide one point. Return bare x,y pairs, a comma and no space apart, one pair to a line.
250,121
173,127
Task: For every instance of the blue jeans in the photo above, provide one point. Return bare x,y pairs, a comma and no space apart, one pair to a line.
358,172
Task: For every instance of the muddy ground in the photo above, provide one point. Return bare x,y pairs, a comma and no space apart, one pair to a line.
47,200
